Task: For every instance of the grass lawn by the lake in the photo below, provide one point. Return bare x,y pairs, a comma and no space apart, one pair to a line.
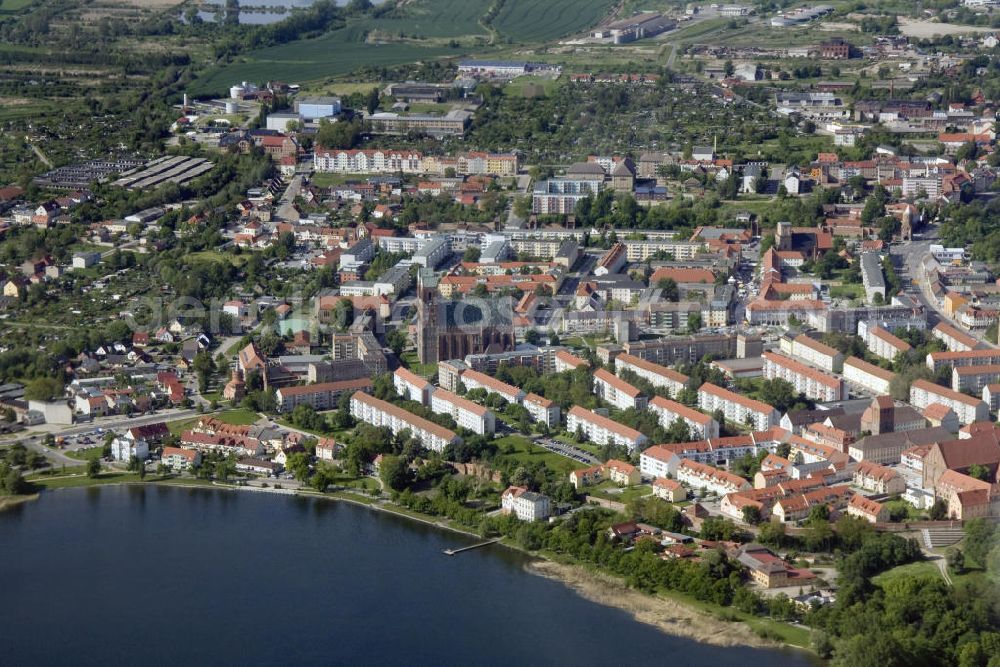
87,454
525,451
72,481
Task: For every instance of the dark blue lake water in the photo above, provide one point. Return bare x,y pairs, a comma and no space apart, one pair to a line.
168,576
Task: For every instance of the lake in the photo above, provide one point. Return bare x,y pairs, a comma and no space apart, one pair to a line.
171,576
259,14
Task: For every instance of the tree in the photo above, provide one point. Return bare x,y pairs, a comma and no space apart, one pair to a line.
670,290
93,468
394,471
751,515
980,472
694,322
43,389
956,560
939,510
679,431
396,339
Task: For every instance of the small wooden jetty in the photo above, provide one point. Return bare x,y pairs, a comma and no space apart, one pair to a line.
452,552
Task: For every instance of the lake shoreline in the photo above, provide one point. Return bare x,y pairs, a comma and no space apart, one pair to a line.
669,616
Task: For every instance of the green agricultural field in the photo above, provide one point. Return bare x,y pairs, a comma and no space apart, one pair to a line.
543,20
429,19
12,6
313,59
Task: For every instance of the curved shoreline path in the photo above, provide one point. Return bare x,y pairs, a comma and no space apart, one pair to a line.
374,588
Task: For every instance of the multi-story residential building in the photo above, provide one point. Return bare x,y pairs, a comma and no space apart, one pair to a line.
377,412
814,352
884,344
641,251
937,360
393,282
564,361
321,396
655,374
542,410
700,425
701,476
397,244
692,348
868,376
974,378
991,395
602,430
872,276
878,478
124,450
611,261
616,391
737,408
453,123
180,459
432,252
525,505
956,340
867,509
359,161
411,386
765,312
586,477
796,508
968,408
669,490
476,380
466,414
559,196
621,473
658,461
809,381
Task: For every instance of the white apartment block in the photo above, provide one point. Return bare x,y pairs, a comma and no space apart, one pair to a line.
974,378
525,505
432,252
398,244
476,380
701,426
658,461
701,476
814,384
737,408
617,392
412,387
818,354
564,361
124,449
466,414
884,344
377,412
968,408
956,340
343,161
603,431
655,374
641,251
936,360
860,373
542,410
